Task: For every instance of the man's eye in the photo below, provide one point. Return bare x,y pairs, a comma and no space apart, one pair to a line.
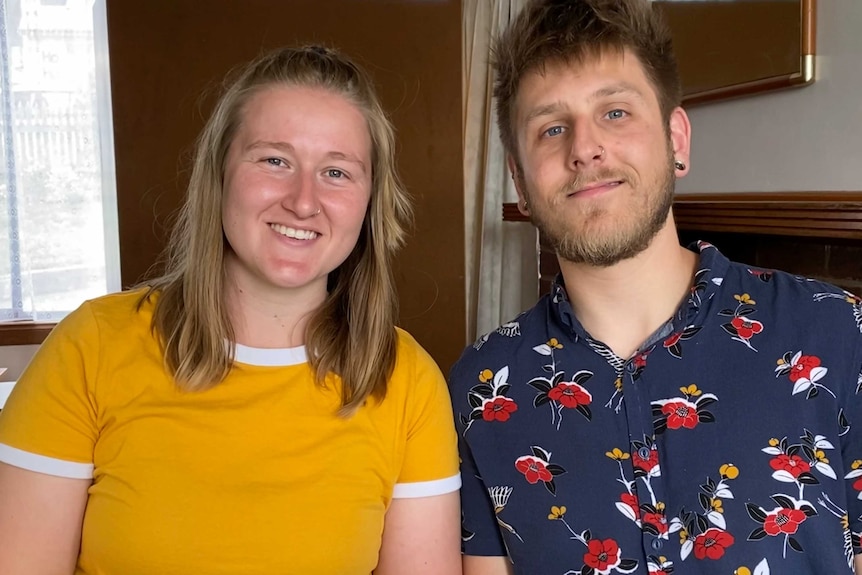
616,114
275,162
554,131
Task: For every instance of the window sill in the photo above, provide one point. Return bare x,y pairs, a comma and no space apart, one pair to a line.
25,332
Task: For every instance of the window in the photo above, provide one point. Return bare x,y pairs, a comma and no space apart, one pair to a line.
58,222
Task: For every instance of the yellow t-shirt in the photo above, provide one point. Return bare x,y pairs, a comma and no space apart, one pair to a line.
255,476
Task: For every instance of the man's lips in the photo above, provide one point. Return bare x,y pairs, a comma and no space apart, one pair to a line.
595,187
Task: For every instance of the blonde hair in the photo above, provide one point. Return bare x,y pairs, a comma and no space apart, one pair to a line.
352,335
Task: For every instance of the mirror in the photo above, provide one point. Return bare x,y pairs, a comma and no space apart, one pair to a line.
731,48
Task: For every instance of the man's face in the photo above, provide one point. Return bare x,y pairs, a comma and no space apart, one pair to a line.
596,157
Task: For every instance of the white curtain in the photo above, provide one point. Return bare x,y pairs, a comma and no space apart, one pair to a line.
502,269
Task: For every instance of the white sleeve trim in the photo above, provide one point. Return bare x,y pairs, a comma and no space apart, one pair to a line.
43,464
427,488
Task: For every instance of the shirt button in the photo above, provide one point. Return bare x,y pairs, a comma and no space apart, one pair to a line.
644,452
657,544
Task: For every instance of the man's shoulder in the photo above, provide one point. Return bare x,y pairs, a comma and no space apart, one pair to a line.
782,285
794,301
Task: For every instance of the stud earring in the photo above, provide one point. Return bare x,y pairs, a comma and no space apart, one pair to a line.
678,165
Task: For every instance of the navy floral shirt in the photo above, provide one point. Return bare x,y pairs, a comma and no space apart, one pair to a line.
730,443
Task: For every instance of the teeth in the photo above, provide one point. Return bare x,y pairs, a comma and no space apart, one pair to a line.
293,232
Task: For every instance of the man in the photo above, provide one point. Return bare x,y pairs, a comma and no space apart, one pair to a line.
662,409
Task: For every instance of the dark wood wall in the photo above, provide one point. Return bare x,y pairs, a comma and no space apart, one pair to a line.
166,53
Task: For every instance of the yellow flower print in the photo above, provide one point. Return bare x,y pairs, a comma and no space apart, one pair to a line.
557,512
716,505
553,343
617,454
618,384
821,456
486,375
742,571
691,390
856,464
744,298
773,442
729,471
683,536
660,506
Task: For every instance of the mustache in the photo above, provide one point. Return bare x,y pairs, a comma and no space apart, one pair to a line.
584,179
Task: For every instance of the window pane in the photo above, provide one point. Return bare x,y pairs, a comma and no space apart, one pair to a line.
52,174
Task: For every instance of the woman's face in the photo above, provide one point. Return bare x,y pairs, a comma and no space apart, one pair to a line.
297,184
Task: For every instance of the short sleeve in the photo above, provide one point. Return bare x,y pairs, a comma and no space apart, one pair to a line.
430,462
48,424
480,533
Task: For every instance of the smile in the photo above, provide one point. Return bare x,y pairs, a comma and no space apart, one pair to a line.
596,187
293,232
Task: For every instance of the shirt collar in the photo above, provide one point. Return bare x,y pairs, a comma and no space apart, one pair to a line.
707,281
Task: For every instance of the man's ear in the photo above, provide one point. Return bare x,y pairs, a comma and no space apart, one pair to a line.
516,178
680,139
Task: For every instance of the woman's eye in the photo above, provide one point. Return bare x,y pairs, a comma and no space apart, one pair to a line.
554,131
616,114
275,162
335,173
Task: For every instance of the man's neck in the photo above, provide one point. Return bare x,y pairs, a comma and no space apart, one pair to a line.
622,305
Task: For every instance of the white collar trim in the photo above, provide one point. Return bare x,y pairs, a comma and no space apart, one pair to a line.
270,357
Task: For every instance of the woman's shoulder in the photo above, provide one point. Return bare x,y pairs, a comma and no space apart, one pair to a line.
414,366
111,314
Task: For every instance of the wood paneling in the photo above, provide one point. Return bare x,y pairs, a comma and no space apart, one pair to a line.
166,53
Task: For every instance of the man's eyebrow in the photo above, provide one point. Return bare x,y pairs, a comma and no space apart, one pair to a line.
544,110
620,89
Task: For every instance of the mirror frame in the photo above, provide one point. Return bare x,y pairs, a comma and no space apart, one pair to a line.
803,75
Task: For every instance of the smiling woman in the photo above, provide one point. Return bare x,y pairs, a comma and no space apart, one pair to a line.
218,417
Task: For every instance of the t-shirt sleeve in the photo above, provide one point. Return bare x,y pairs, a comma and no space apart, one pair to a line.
430,462
48,424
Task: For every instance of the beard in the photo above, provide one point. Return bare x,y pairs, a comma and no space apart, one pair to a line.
596,240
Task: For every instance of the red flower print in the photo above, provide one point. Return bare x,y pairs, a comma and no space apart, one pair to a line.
858,484
632,501
680,413
640,360
499,409
534,469
672,340
712,543
648,464
602,555
784,521
570,394
792,464
657,520
745,328
802,368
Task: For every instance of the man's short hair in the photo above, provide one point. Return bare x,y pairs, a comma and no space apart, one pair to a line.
574,30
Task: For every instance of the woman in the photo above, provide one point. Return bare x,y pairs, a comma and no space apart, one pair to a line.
254,410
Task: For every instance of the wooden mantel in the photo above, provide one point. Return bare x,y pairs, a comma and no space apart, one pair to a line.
807,214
